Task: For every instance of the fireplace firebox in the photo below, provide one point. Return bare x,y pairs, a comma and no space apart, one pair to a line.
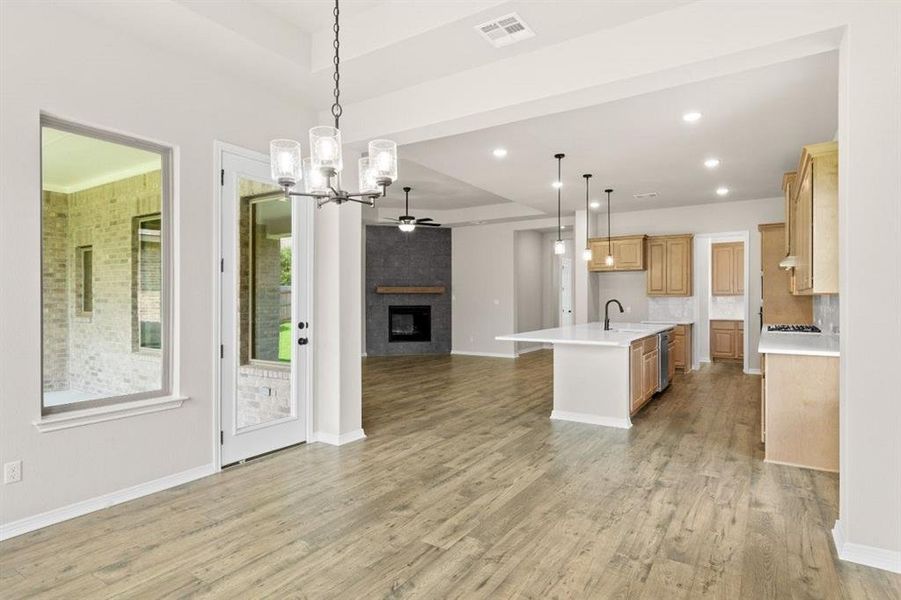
409,323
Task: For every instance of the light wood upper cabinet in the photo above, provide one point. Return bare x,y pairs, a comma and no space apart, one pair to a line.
788,182
669,265
779,305
812,214
728,271
628,253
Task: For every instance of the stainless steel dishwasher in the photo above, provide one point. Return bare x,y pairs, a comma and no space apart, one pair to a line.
663,359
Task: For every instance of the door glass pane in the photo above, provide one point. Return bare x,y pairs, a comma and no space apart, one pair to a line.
267,337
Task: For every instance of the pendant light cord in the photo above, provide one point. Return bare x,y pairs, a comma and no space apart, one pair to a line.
559,158
609,243
337,110
587,176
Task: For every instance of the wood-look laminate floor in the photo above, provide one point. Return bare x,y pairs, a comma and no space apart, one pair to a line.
465,489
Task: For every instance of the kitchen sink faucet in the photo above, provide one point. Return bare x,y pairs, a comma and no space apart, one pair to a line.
607,308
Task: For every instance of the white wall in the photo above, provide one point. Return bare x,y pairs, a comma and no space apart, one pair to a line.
725,217
484,297
550,283
60,62
528,259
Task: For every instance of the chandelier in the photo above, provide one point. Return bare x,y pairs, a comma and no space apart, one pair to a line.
321,171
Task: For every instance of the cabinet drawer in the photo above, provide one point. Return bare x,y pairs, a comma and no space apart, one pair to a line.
649,344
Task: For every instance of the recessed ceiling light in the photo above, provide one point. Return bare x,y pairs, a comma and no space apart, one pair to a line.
595,204
500,152
563,227
691,117
722,191
557,184
712,163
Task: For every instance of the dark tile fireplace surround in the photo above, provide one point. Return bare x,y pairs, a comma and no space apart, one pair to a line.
399,322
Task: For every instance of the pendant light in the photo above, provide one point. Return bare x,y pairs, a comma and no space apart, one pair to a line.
322,168
586,253
609,260
559,246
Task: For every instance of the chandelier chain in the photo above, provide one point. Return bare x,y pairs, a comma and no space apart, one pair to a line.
337,110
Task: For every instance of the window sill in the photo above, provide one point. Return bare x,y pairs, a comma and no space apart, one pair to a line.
89,416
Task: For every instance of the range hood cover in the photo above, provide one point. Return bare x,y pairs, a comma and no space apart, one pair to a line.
789,262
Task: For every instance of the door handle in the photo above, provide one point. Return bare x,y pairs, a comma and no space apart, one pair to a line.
303,341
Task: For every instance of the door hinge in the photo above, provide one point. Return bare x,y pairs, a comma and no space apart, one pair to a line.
221,176
221,350
221,437
222,265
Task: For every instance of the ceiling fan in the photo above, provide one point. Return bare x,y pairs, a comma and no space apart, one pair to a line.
407,222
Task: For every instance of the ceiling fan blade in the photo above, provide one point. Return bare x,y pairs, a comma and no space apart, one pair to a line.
424,219
387,220
429,224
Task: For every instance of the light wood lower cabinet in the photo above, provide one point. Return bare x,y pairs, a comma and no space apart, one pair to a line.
727,339
680,357
671,364
644,371
799,410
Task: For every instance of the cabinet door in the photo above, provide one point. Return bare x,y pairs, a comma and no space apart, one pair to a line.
678,267
722,278
628,254
656,267
803,234
636,390
738,269
598,254
740,341
677,356
763,398
722,339
648,381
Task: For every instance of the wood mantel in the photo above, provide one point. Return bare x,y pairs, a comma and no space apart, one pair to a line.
388,289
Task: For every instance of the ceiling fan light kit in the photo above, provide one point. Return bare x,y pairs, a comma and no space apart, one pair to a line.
407,222
320,170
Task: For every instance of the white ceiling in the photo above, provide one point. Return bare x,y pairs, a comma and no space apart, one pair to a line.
434,190
755,122
310,16
72,162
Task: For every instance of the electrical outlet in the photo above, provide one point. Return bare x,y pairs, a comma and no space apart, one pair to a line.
12,471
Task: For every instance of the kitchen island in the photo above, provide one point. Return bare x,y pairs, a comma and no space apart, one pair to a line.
601,377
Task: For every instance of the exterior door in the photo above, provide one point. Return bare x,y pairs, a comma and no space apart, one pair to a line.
265,302
566,292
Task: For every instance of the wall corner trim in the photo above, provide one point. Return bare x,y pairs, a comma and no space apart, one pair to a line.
589,419
879,558
338,439
64,513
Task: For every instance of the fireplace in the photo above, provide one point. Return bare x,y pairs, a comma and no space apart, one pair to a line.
409,324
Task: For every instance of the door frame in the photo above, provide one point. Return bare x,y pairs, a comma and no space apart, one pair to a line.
220,148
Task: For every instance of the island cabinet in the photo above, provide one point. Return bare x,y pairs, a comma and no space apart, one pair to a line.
812,220
727,273
727,339
680,355
643,372
628,253
669,265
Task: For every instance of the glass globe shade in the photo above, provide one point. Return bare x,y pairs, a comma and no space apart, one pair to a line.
367,182
325,149
407,227
586,254
314,181
383,159
285,162
559,247
609,260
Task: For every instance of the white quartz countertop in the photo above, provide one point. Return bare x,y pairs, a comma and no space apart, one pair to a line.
590,334
803,344
671,322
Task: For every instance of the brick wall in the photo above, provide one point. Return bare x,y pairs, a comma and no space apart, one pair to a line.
102,356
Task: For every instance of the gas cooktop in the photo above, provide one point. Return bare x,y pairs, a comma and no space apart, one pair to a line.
793,328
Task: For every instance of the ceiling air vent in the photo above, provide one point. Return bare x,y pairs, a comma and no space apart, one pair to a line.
645,196
505,30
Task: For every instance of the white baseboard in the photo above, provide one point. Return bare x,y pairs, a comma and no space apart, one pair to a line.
363,355
879,558
752,371
64,513
488,354
532,349
338,440
559,415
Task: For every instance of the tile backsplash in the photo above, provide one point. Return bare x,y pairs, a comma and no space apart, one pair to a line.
671,309
825,313
727,307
